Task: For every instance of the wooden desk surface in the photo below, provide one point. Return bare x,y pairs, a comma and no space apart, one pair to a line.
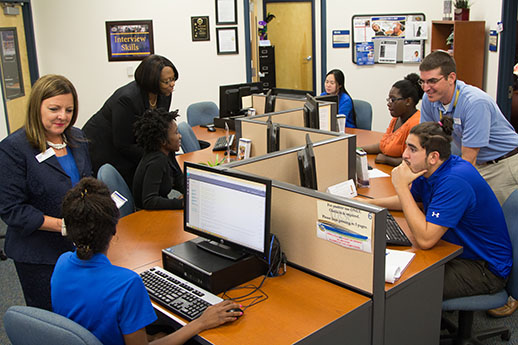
142,235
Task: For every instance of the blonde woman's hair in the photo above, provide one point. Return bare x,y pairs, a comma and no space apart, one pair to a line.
46,87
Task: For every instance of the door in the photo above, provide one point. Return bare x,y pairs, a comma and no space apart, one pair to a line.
14,66
291,32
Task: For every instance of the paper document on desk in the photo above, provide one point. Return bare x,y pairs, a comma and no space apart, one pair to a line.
347,189
377,173
396,262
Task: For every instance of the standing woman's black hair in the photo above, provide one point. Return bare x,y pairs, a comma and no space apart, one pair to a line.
90,216
147,74
340,79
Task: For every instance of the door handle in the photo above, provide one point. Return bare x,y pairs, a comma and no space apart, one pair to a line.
308,58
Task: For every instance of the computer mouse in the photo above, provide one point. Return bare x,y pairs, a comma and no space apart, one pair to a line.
211,129
236,310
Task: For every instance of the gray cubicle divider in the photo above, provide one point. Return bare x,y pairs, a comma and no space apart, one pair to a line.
282,103
290,136
294,217
287,111
294,221
335,161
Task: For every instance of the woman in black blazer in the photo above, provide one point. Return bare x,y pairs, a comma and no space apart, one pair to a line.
40,163
158,171
110,130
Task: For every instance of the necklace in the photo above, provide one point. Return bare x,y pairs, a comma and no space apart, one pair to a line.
58,146
153,104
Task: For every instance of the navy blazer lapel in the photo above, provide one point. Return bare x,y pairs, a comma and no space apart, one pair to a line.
80,160
53,162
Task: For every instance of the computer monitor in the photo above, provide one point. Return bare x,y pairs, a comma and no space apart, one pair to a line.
328,98
311,119
231,210
272,136
230,97
269,102
291,93
307,167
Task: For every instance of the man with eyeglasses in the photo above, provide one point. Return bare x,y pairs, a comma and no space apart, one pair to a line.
486,139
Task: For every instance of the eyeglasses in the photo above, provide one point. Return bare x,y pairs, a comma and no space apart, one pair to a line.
391,100
167,81
431,81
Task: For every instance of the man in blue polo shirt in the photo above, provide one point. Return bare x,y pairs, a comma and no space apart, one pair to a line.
459,207
485,137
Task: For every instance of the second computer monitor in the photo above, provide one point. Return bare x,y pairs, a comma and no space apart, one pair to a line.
230,97
307,166
311,118
230,209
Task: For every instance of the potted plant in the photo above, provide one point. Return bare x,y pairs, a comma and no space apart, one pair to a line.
461,9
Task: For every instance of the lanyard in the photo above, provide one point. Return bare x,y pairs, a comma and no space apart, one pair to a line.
454,105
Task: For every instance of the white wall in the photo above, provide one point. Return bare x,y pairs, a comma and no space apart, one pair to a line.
71,40
372,83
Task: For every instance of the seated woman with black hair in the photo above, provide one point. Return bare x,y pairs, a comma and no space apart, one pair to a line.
401,102
158,171
110,301
334,85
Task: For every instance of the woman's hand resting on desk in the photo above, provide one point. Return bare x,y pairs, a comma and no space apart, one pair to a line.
384,159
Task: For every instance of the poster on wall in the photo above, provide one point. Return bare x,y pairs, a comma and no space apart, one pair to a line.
11,67
129,40
396,37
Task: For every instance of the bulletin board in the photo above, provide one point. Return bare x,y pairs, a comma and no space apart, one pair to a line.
388,38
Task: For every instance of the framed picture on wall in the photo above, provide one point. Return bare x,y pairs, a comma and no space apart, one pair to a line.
200,30
227,40
226,12
129,40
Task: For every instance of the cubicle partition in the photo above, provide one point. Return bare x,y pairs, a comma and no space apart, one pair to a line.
281,103
289,136
297,215
287,112
335,162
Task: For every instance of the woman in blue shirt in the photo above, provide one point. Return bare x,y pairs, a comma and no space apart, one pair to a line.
334,85
110,301
40,162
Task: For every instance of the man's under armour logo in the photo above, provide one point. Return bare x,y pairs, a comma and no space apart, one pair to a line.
435,214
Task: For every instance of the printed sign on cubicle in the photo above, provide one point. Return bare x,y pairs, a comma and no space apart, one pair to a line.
345,226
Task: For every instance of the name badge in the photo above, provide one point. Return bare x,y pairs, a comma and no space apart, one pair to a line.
45,155
457,121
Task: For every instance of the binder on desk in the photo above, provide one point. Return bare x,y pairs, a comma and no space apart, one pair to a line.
396,261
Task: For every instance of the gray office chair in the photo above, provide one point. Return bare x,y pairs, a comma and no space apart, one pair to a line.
115,182
468,305
189,141
34,326
363,114
202,113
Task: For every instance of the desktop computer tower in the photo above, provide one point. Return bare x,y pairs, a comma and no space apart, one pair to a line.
210,271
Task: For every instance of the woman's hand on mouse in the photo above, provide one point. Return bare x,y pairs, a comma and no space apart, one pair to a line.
218,314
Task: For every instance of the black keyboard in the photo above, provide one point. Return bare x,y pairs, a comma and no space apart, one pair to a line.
221,143
176,294
395,235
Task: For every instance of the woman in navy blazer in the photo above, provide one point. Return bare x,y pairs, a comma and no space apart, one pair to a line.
110,130
40,163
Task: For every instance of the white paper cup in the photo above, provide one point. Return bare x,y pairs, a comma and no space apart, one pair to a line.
340,119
